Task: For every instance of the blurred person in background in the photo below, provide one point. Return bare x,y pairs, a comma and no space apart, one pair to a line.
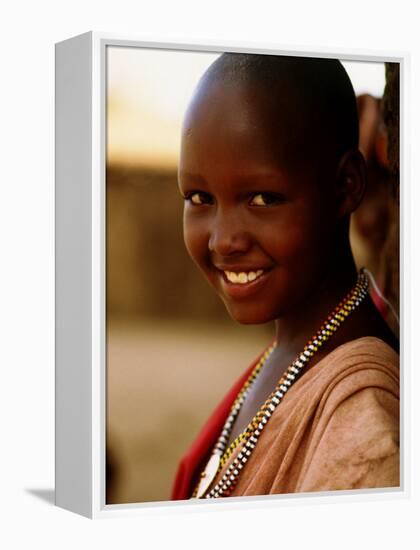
371,223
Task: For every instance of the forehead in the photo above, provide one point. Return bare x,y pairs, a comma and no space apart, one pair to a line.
245,121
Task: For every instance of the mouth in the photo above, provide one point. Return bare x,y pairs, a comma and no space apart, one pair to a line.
242,283
243,277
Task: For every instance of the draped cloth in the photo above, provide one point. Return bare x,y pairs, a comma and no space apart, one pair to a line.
336,428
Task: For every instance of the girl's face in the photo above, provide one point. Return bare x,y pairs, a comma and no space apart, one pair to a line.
258,227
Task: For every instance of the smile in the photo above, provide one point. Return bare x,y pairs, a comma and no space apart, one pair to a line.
242,277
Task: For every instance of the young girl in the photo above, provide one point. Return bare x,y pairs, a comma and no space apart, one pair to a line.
270,171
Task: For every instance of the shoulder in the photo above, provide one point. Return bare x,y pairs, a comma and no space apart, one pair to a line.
366,423
363,364
359,410
359,446
355,366
354,439
366,350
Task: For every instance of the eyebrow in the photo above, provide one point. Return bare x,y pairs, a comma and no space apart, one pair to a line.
241,179
189,174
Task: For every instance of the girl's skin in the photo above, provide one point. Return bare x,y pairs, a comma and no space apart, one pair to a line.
255,200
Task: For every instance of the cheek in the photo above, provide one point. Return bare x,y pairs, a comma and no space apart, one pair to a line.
196,240
300,234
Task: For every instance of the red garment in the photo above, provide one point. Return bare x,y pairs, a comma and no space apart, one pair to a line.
380,304
193,462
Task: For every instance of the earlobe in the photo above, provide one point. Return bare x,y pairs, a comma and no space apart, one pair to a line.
350,182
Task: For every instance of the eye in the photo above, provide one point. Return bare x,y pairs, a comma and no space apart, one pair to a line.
198,198
265,199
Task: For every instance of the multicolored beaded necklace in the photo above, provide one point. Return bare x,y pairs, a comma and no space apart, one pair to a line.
249,437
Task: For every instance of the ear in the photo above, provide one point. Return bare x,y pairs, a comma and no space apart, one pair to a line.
351,181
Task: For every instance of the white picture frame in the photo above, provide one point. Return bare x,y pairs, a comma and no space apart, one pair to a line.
80,276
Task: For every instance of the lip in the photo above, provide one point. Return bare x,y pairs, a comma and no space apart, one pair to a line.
237,268
242,290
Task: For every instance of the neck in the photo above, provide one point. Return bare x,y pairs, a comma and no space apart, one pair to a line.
295,328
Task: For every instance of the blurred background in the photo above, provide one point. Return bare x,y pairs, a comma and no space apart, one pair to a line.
172,350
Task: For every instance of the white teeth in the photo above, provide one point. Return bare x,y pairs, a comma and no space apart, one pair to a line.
242,277
232,277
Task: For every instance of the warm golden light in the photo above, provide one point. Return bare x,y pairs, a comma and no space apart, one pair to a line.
148,93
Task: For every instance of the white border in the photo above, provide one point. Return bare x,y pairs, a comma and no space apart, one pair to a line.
99,42
98,275
73,258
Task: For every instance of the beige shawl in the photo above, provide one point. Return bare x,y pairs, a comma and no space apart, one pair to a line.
336,428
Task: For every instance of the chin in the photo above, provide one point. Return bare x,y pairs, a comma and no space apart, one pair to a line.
250,317
252,321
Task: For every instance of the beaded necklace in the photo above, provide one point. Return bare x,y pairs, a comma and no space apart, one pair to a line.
249,437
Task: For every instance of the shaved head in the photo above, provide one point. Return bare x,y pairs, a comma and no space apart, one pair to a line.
310,101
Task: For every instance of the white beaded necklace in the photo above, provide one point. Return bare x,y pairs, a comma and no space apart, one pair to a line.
253,431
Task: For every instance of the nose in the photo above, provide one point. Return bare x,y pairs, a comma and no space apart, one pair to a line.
228,235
